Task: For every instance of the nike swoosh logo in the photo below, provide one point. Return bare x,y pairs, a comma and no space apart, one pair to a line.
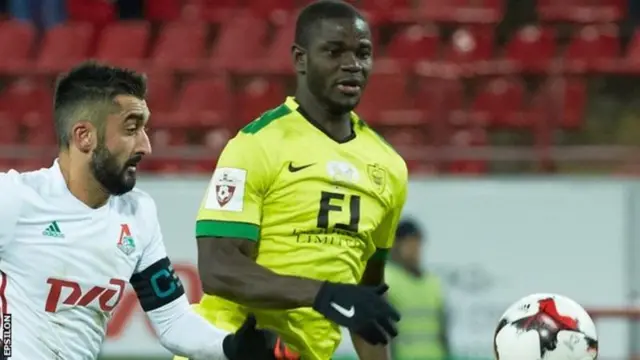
298,168
348,313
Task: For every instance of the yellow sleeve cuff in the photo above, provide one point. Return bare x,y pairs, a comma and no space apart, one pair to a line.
230,229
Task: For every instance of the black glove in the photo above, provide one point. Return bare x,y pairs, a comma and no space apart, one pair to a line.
361,309
250,343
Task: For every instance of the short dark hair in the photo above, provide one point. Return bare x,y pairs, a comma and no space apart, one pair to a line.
88,88
320,10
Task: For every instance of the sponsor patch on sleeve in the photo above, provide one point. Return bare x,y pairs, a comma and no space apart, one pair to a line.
226,191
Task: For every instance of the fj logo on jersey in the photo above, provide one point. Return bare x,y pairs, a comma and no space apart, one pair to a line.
126,244
225,190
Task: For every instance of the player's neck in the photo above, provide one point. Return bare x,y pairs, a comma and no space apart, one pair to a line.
338,126
81,184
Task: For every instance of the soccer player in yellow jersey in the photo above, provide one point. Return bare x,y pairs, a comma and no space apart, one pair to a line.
303,206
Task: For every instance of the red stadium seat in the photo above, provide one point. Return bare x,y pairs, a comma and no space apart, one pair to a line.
387,11
386,101
278,59
28,103
97,13
462,11
218,10
632,58
470,49
468,139
414,43
477,11
562,100
162,10
256,97
64,46
16,41
180,46
124,44
204,102
25,96
402,137
435,10
161,100
500,102
6,164
10,130
584,11
441,101
531,49
276,11
593,48
162,94
39,129
229,53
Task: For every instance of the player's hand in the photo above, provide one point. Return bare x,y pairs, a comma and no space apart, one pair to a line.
250,343
361,309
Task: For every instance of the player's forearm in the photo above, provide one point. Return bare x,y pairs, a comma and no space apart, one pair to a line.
367,351
231,274
185,333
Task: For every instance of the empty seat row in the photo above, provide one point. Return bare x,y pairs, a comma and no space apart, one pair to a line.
209,103
378,11
401,11
532,49
182,46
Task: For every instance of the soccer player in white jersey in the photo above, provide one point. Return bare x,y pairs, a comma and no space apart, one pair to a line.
72,236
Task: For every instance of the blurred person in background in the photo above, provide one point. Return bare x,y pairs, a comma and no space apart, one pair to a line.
418,296
44,14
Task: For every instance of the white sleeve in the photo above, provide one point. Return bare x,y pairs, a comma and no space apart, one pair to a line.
10,204
154,249
185,333
161,294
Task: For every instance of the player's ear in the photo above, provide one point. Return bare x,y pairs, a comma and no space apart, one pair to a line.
299,57
83,135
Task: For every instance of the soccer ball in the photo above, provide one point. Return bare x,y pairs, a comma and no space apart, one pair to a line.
545,327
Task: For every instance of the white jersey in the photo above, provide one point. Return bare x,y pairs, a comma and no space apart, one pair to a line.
64,266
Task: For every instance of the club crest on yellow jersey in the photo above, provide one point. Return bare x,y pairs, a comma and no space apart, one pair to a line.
378,177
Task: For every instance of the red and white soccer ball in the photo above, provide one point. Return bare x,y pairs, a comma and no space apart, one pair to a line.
546,327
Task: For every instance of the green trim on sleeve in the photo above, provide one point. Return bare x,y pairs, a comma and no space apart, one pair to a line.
214,228
380,255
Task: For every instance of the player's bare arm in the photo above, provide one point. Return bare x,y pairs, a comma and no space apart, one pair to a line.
373,276
227,269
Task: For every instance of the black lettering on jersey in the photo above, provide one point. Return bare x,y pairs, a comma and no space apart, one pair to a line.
157,285
335,202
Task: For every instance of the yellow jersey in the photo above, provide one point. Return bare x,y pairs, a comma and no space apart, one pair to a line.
318,208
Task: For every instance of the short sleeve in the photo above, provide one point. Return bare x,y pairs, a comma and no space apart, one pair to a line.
154,249
232,205
10,207
385,234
